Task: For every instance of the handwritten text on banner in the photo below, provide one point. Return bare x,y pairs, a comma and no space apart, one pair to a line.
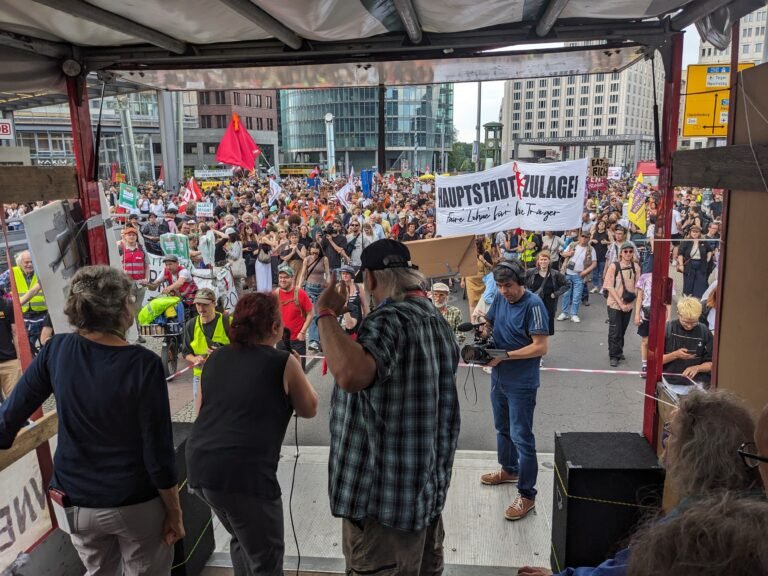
516,195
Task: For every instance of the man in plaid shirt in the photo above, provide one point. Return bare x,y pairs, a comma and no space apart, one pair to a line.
394,418
451,314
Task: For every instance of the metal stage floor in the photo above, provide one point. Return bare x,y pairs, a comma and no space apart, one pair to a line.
478,540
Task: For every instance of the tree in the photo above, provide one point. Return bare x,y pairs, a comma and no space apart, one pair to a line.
460,158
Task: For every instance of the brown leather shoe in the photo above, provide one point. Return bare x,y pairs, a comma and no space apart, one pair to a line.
519,508
498,477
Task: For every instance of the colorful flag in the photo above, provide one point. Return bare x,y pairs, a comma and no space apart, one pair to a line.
344,195
636,203
237,148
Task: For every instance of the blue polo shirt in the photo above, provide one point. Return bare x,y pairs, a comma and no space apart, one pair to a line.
513,328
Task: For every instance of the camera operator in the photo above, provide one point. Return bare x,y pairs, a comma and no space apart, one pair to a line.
519,324
394,418
333,244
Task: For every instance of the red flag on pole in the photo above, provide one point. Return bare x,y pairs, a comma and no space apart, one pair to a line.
237,147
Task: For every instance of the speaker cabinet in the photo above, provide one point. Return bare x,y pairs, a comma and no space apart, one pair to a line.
605,484
191,553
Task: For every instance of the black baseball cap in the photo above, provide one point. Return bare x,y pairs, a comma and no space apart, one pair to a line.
384,254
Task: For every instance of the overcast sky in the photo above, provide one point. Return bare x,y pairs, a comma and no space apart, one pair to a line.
465,94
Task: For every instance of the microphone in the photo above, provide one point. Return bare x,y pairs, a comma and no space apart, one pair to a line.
468,326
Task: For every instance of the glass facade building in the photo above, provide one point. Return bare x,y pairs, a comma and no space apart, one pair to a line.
419,126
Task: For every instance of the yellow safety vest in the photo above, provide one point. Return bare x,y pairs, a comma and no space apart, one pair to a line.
529,252
37,302
199,344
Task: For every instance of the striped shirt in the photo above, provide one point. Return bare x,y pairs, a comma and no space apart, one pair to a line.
392,445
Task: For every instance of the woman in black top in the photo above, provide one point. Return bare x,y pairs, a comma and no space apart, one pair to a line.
115,458
548,284
250,251
693,261
249,391
600,242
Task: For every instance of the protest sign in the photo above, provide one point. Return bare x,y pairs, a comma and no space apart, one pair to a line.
597,184
220,173
615,172
514,195
204,209
274,191
598,168
176,245
128,197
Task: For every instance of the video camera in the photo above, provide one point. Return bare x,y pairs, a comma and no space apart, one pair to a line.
477,352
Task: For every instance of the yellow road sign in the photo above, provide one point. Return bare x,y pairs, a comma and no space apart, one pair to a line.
708,89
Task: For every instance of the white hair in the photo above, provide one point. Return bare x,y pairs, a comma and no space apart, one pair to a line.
396,282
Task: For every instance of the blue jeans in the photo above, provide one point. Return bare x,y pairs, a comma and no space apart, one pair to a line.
597,275
572,298
313,291
515,444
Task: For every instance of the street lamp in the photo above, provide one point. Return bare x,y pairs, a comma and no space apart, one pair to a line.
330,146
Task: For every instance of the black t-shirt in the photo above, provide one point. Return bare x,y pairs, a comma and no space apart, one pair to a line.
7,349
716,207
334,258
698,341
235,442
600,249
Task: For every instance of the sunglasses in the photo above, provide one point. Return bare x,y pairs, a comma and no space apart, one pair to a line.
628,251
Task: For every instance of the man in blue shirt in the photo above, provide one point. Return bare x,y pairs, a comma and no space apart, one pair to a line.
519,323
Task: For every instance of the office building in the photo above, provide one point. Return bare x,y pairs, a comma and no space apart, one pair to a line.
597,115
418,120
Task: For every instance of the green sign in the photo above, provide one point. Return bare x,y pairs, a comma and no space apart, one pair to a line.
175,245
129,196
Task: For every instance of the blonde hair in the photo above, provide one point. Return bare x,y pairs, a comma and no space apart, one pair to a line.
689,308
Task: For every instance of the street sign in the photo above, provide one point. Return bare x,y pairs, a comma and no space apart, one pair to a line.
706,103
6,130
598,168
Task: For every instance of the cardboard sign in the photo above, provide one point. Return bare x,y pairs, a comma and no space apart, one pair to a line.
514,195
598,168
204,209
128,198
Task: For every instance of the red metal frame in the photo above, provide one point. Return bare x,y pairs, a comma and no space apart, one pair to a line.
85,161
661,292
733,104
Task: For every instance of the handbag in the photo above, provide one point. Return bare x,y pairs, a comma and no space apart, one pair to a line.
264,257
238,268
626,296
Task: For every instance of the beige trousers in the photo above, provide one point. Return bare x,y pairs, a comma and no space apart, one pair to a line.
10,372
128,536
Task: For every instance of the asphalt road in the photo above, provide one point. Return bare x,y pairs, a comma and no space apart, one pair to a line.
567,401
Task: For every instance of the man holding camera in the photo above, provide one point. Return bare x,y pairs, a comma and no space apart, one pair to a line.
620,281
519,324
334,244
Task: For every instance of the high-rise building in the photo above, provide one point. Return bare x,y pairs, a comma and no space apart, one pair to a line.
590,115
418,122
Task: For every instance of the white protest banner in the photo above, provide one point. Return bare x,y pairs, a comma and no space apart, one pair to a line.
220,280
515,195
129,195
274,190
204,209
615,172
221,173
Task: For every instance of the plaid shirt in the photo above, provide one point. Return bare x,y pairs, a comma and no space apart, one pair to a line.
392,445
452,315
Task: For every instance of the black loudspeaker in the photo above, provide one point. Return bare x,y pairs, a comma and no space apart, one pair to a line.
605,484
191,553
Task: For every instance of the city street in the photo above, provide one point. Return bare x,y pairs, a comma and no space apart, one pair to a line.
566,401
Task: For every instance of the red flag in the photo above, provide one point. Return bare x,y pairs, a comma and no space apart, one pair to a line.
237,147
195,189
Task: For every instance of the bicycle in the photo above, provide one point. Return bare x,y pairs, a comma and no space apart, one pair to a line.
170,330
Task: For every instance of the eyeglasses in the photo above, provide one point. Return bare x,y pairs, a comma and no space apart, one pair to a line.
628,251
749,455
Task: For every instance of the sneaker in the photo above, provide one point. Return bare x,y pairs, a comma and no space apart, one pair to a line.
575,319
585,303
622,357
593,291
498,477
519,508
141,340
314,346
614,362
563,316
643,372
487,370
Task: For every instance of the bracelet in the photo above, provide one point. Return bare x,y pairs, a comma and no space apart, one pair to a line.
325,314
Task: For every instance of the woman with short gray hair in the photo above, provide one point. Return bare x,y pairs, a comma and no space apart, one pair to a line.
114,467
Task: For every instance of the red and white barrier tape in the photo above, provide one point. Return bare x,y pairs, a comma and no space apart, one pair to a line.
172,376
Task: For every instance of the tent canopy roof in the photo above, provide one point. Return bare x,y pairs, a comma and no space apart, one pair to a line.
216,44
